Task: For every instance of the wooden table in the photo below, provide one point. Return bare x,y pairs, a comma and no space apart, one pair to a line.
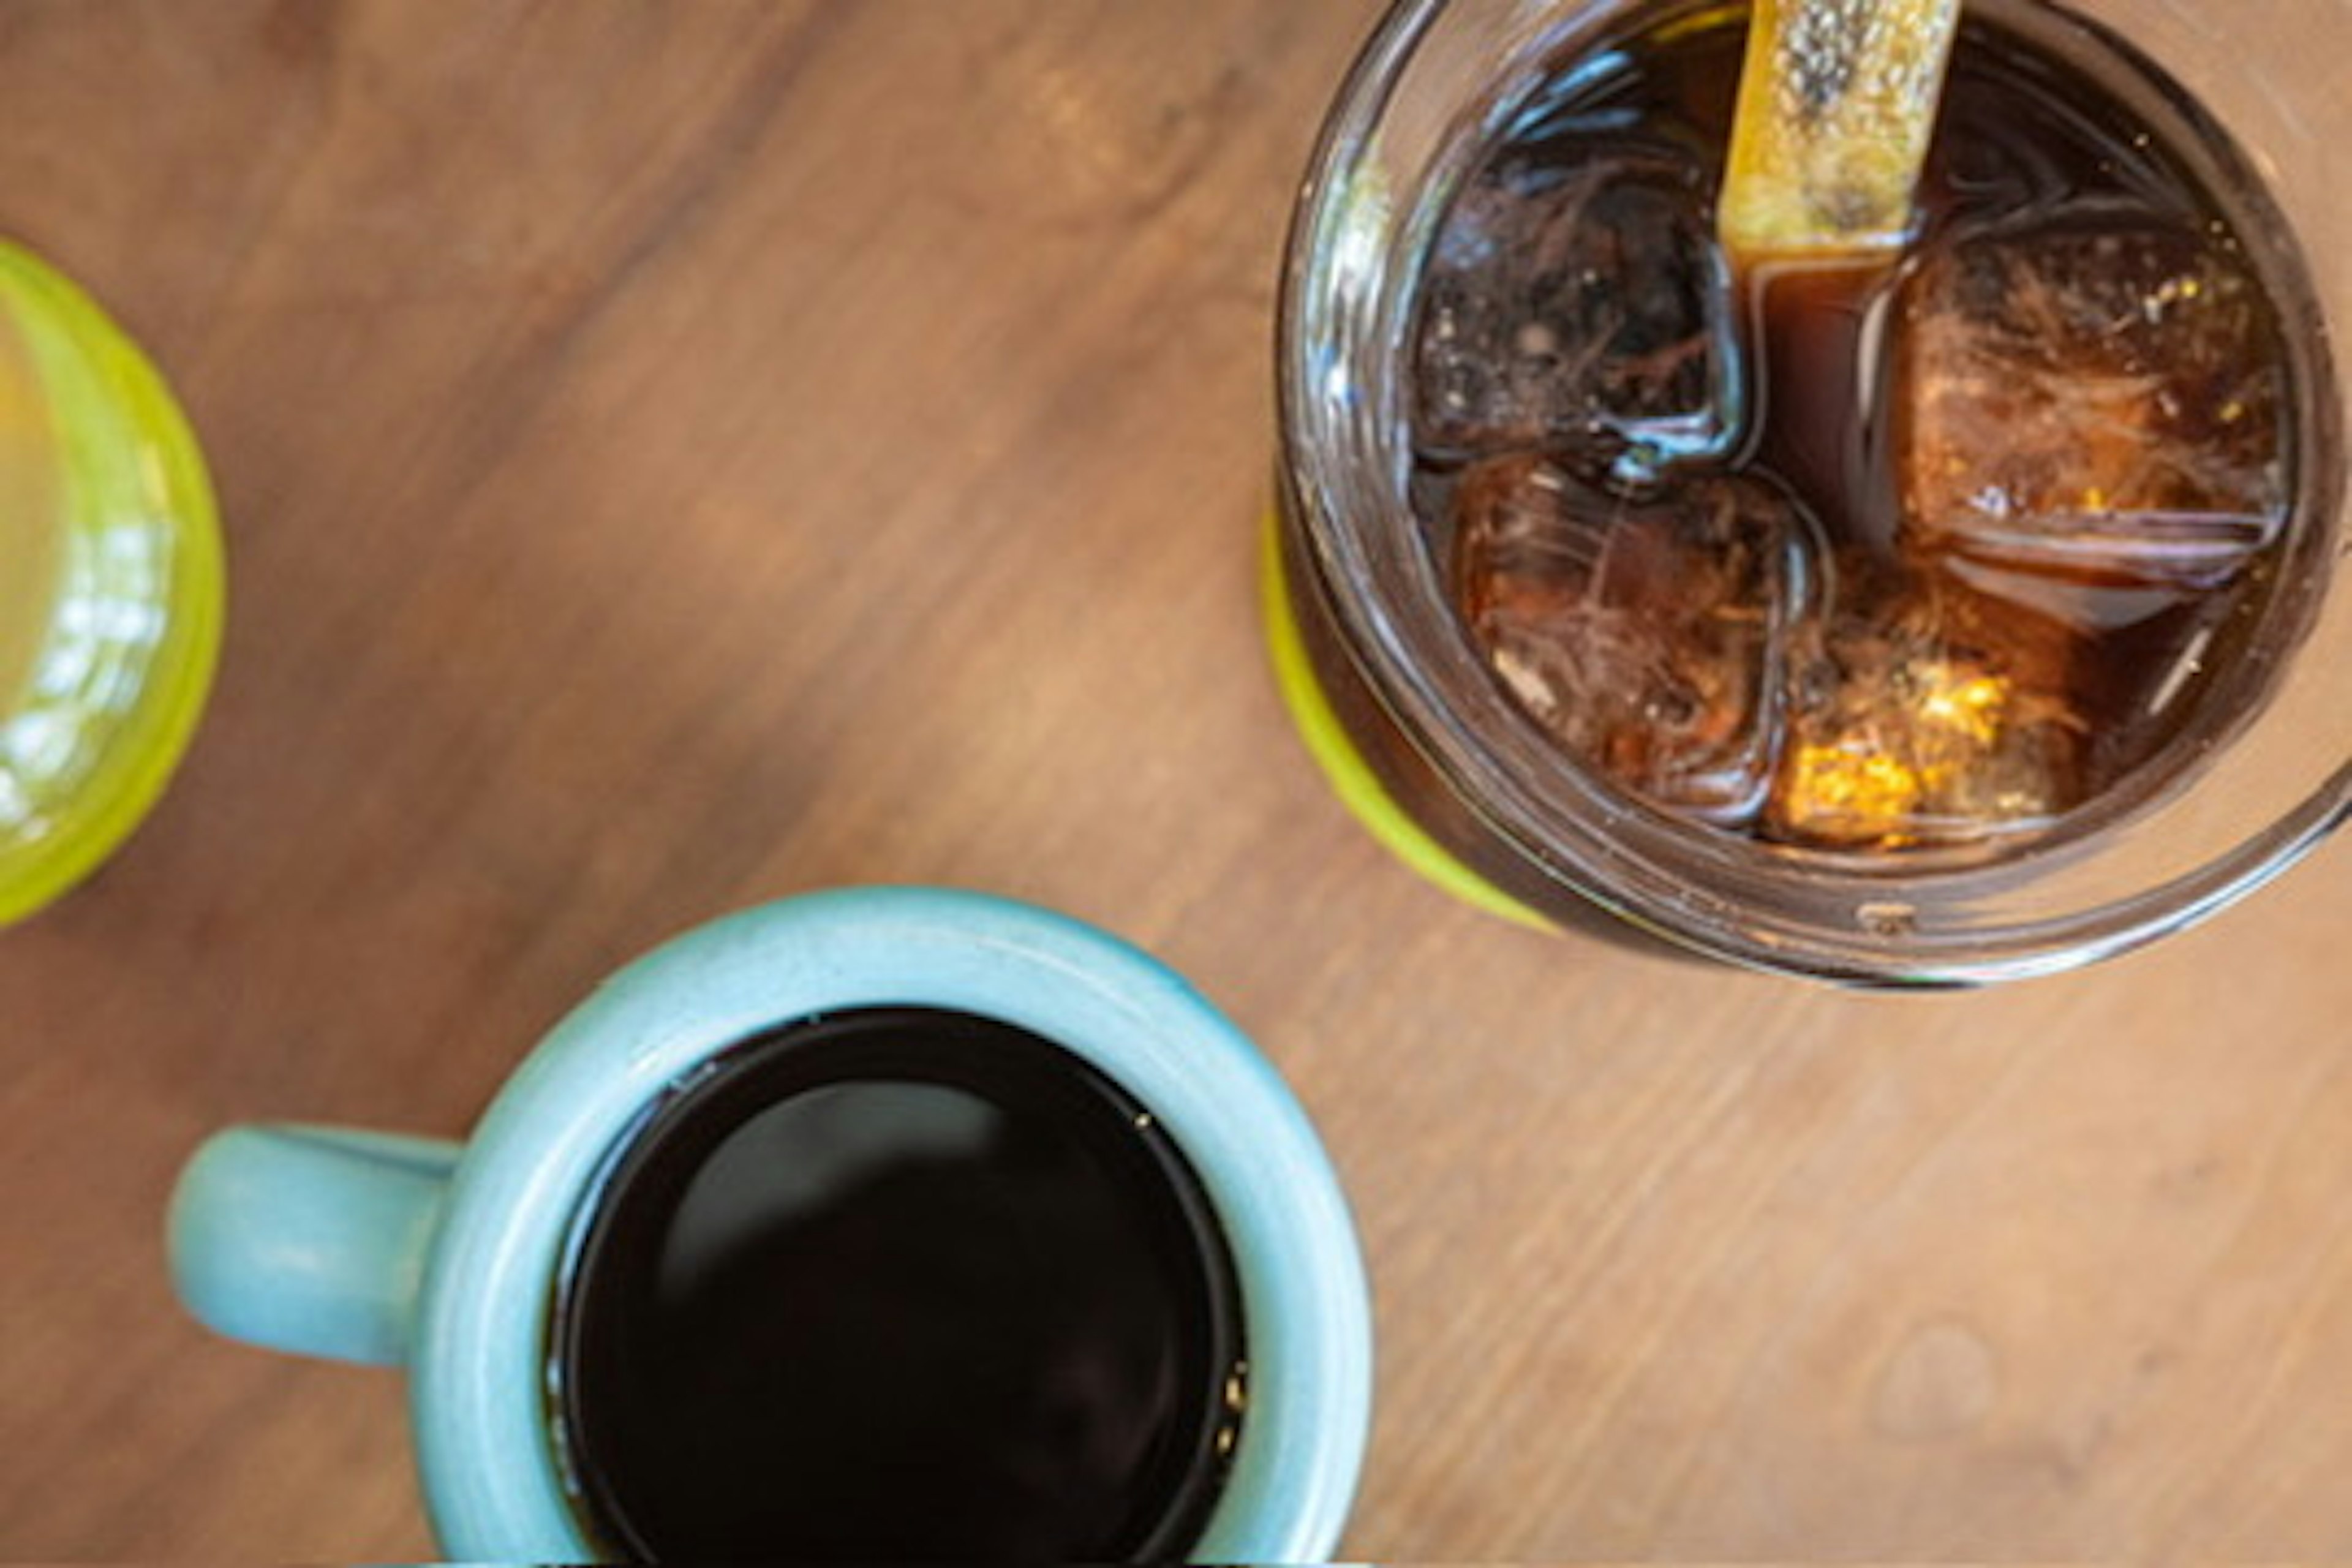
675,456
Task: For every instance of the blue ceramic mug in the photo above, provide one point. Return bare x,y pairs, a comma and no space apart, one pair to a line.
450,1260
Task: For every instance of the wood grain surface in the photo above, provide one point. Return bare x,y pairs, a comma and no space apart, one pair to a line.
677,456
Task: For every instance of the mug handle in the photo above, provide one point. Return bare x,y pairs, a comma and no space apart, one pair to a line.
308,1240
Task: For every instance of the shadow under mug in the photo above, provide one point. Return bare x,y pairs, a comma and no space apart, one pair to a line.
452,1261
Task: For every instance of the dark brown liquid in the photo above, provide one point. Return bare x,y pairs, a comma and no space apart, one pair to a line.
1926,552
1820,336
903,1285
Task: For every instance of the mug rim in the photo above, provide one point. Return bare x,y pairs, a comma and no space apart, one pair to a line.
480,1401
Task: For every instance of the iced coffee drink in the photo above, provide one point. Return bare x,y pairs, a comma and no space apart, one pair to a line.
1955,609
1881,554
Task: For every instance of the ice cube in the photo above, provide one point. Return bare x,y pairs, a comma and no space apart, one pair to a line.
1935,716
2095,403
1577,303
1649,637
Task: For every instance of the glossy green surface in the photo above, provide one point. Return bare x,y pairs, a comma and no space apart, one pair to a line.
111,585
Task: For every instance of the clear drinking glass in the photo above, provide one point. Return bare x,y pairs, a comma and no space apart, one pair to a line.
1441,763
109,584
1424,744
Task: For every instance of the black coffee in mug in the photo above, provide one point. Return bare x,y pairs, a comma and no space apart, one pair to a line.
898,1283
775,1247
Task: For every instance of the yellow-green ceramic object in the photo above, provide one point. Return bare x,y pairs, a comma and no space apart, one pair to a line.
111,585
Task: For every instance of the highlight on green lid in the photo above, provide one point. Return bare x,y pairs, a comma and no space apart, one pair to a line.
111,585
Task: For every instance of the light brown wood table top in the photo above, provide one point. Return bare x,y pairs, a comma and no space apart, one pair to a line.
677,456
